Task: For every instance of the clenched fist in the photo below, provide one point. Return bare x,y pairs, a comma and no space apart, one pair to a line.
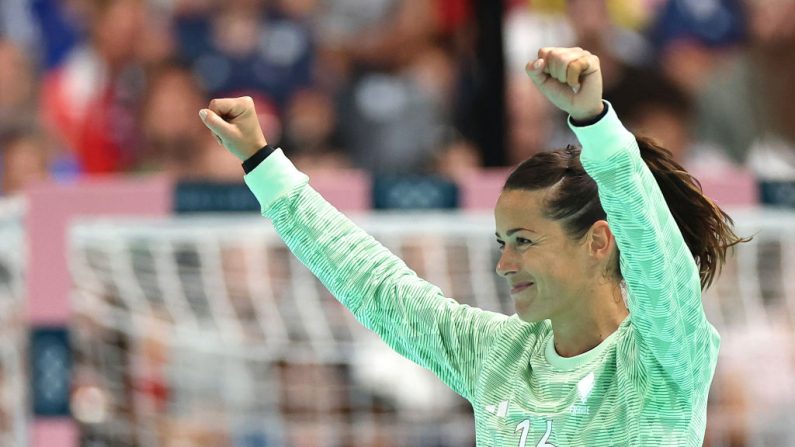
571,79
234,122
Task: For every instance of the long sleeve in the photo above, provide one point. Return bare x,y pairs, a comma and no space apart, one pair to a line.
408,313
662,277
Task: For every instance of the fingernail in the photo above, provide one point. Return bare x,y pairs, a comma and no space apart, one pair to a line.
537,64
203,114
576,89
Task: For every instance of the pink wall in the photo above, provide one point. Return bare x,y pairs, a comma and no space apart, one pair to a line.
729,187
51,207
480,192
347,191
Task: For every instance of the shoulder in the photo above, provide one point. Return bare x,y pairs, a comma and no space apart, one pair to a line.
516,336
515,324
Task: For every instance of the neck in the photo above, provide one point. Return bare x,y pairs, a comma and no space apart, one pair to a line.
589,325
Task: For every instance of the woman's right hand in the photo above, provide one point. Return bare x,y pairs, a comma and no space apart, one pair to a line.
234,123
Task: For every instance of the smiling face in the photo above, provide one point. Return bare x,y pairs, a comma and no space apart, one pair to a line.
548,272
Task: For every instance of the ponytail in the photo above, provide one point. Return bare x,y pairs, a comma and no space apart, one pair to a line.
707,229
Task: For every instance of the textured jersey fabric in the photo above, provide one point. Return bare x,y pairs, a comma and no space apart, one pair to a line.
645,385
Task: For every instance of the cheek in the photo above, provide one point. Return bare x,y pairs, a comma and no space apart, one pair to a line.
554,271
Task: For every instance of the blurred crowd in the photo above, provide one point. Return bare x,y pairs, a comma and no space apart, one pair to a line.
388,86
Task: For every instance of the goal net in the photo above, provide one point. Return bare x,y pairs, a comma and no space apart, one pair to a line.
13,329
206,331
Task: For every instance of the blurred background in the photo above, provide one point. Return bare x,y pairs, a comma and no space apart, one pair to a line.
195,327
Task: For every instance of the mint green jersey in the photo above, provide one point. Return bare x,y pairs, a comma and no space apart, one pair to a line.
645,385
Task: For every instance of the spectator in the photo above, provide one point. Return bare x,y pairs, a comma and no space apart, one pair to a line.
652,105
457,159
391,119
397,80
174,145
17,23
19,85
693,38
242,47
177,146
25,155
311,132
530,125
756,123
157,43
90,100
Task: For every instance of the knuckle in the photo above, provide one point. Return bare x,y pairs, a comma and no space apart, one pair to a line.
573,71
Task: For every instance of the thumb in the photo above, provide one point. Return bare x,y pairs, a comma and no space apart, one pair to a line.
535,70
214,122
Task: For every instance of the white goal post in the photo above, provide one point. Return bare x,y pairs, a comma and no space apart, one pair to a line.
14,375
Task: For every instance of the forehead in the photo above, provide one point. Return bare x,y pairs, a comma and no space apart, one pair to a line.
520,208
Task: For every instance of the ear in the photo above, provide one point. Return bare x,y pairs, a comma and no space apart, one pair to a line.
600,240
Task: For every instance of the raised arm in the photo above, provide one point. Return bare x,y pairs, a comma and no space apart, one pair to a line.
660,272
410,314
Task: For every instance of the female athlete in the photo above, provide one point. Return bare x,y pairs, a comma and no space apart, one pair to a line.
606,250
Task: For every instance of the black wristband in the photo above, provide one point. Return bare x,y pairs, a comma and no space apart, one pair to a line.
252,162
593,120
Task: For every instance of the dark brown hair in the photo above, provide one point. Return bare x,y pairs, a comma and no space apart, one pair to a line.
574,200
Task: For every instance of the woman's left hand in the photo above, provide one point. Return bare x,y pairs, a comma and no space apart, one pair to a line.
571,79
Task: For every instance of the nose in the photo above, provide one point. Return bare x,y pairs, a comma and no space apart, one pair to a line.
508,262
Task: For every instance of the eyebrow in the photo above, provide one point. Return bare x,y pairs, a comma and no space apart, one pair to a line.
514,230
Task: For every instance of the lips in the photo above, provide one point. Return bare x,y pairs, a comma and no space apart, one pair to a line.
518,287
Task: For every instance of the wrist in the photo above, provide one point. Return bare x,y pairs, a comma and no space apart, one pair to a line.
250,152
591,117
588,115
243,153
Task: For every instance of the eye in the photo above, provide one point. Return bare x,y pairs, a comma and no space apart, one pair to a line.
501,244
523,241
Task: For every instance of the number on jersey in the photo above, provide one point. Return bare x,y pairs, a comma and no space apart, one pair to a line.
524,426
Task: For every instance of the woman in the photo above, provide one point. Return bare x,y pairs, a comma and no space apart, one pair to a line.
610,344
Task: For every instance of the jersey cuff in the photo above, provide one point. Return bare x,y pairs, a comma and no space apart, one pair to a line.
274,178
604,138
252,162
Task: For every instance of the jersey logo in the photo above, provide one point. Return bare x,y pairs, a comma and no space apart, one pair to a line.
500,410
585,386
